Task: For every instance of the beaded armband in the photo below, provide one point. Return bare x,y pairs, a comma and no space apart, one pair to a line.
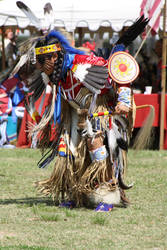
124,96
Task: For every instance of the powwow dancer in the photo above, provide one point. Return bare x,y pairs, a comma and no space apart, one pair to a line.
91,107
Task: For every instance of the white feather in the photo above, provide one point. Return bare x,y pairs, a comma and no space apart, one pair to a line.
122,121
74,134
81,71
121,165
115,128
45,78
49,16
112,143
80,74
30,15
89,128
22,61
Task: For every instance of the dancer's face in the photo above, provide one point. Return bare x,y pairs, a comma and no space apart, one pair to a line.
49,62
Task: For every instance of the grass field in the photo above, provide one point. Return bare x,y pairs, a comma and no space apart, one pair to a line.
31,221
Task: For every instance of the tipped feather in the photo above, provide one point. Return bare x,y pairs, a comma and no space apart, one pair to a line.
98,69
112,143
49,16
122,184
133,31
120,141
21,62
48,8
26,10
29,105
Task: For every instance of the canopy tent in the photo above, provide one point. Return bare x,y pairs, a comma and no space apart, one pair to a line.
93,17
74,13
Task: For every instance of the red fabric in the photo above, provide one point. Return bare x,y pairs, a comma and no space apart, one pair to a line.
69,89
10,83
165,139
91,59
23,138
141,114
3,101
152,11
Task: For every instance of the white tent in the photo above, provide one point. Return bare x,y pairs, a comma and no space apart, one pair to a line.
74,13
87,16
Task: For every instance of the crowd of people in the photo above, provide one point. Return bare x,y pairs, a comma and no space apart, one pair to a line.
150,59
12,92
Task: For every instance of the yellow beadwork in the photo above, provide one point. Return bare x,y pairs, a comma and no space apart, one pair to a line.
47,49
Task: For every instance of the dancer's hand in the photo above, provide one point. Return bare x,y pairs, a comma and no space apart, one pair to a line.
122,109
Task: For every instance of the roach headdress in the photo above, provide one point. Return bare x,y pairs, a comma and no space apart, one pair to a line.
64,42
55,42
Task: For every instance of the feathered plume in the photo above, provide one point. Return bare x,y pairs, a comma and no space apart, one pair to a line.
48,8
29,14
64,42
133,31
49,15
21,62
115,141
26,58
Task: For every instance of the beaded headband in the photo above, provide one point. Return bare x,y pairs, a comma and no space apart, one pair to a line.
47,49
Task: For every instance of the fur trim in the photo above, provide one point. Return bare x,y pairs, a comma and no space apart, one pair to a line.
104,194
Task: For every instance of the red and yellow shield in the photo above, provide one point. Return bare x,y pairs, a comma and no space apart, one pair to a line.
123,68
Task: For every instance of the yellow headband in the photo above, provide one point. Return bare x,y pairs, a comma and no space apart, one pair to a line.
47,49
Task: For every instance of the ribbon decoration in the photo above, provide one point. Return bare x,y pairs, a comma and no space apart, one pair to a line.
100,114
57,111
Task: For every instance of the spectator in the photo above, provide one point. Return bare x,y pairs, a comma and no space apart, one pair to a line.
150,68
10,49
5,110
12,92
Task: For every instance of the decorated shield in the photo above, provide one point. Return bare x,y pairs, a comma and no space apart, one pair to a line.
123,68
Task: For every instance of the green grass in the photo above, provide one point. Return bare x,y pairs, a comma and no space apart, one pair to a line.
33,222
99,219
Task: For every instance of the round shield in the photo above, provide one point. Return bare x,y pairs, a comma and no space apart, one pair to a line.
123,68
